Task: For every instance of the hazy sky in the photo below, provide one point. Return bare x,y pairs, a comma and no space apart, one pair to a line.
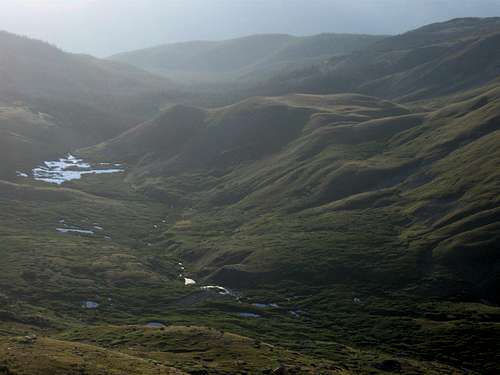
103,27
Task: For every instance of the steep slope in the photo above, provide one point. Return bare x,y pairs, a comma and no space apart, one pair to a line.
187,138
55,101
26,136
434,60
249,57
307,194
33,70
306,151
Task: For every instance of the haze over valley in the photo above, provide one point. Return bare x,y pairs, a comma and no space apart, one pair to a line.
317,200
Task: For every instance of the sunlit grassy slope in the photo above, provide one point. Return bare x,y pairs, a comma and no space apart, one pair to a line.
323,199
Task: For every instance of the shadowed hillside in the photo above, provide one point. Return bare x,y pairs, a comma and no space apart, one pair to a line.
434,60
53,101
250,58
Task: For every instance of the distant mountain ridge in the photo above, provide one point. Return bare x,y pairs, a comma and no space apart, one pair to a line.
434,60
33,69
241,57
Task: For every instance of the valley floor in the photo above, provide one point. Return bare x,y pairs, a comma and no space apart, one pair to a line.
81,303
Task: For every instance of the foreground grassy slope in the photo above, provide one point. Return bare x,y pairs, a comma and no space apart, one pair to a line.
125,267
60,357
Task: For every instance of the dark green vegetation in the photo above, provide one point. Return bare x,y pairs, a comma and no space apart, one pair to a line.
372,224
252,58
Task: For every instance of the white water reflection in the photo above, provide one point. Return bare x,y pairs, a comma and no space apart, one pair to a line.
266,305
296,313
207,288
67,169
91,305
218,289
249,315
71,230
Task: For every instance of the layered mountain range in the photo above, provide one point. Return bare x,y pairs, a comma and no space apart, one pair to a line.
338,212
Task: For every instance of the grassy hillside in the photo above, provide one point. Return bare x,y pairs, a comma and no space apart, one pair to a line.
338,209
328,198
309,152
432,61
250,58
26,136
36,70
53,101
333,234
47,277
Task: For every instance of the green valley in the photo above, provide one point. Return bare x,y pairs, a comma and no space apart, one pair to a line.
309,224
